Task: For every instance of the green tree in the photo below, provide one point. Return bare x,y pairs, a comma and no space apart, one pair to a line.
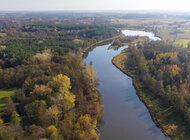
10,106
33,111
15,119
41,92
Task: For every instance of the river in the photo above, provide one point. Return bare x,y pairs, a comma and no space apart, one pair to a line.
125,116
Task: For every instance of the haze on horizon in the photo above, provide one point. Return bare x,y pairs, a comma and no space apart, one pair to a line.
54,5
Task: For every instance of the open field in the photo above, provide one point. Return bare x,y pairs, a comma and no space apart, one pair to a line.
169,30
3,34
3,95
183,43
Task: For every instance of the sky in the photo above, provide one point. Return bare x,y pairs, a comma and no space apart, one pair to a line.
54,5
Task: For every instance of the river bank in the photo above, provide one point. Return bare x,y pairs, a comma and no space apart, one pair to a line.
125,115
101,42
163,115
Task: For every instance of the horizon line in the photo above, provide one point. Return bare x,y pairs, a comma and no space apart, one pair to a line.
114,10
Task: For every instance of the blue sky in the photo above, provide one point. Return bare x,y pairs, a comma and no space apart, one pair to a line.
41,5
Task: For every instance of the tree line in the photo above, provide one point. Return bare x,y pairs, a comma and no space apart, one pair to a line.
165,71
56,95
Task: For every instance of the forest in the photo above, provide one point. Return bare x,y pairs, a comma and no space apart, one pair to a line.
46,90
161,73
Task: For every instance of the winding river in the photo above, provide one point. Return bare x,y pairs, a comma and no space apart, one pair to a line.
125,116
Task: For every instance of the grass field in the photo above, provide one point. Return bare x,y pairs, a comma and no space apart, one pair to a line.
3,95
3,34
169,30
183,43
184,30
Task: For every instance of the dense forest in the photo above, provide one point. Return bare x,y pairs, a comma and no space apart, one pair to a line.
162,71
46,92
53,94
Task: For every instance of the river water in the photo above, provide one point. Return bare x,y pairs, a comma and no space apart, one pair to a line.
125,116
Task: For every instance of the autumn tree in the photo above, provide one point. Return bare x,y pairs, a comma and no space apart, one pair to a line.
85,128
15,119
91,75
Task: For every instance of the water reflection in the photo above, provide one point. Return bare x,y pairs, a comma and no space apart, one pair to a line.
126,117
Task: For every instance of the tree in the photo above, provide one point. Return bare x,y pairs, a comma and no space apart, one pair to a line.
54,136
85,128
44,57
66,100
15,119
159,75
91,75
61,85
52,132
60,82
67,125
36,132
159,87
10,107
7,133
180,104
53,113
41,92
33,111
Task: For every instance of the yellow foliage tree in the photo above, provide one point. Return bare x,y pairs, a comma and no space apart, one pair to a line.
53,113
44,57
91,74
51,129
52,132
2,47
85,128
66,100
1,121
60,82
41,91
61,85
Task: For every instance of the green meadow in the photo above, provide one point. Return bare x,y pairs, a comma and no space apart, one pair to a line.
4,94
